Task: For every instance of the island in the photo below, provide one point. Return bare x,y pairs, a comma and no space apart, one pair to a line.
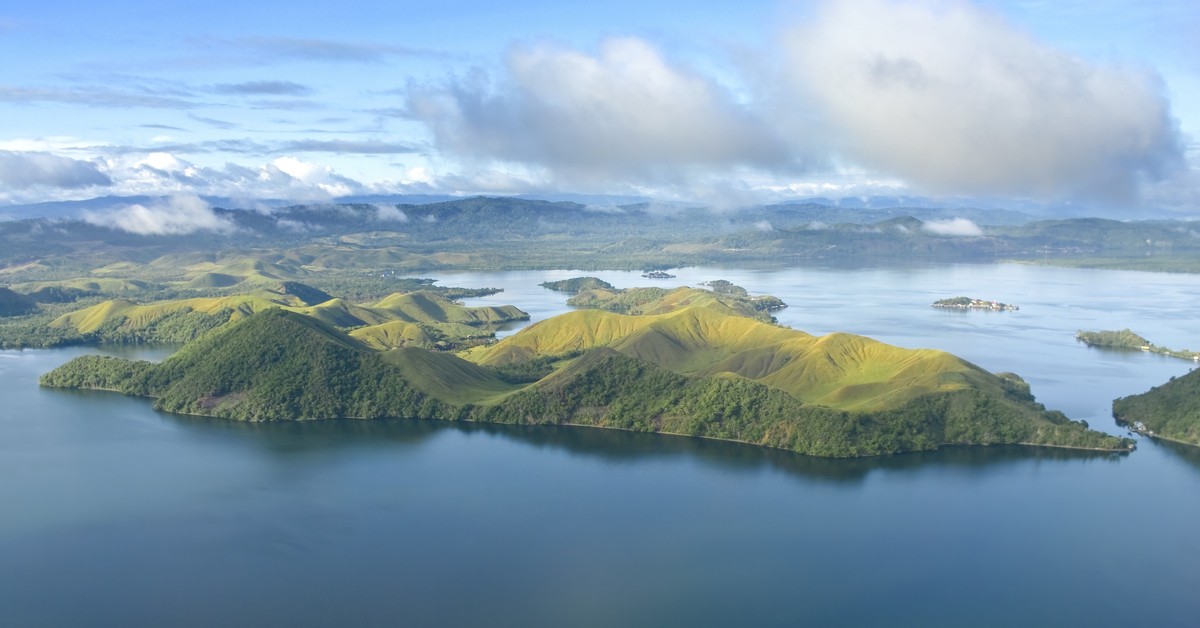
1127,339
577,284
1170,411
968,303
695,366
657,274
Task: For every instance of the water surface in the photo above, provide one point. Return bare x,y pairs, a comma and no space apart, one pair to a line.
118,515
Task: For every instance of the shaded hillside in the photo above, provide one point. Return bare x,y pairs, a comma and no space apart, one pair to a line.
15,304
1171,410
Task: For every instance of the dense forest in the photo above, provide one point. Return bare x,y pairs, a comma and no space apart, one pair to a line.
1171,410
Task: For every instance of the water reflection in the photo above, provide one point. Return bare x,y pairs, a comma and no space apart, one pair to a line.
1187,453
307,437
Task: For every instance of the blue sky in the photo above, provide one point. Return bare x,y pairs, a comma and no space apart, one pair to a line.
1094,103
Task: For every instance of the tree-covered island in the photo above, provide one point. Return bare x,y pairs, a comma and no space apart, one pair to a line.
692,365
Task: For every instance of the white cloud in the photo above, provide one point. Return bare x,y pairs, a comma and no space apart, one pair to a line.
177,215
624,112
953,227
390,213
955,99
24,170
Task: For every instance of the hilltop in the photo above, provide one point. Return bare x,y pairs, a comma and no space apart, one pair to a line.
695,371
724,297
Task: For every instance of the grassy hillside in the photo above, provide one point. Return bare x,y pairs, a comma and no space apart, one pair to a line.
655,300
1171,410
668,373
428,318
840,371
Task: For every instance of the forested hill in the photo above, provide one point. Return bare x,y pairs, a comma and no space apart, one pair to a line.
282,365
1171,410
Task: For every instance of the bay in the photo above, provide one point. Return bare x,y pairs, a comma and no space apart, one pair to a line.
118,515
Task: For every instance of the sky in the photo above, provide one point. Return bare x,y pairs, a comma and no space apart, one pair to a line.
1090,104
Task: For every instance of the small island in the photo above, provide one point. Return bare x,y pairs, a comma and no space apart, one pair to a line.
577,284
968,303
657,274
1127,339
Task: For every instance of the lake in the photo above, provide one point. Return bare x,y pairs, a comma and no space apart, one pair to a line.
116,515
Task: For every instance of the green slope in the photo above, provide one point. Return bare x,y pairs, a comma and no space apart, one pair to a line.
654,300
841,371
283,365
1171,410
274,365
439,320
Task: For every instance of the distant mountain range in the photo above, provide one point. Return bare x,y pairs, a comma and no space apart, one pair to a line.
847,209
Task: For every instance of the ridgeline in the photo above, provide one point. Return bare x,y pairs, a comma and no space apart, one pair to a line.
695,370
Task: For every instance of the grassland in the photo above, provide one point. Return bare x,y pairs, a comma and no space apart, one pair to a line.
695,371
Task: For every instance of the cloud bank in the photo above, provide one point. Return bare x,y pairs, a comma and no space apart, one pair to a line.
942,94
23,170
177,215
955,99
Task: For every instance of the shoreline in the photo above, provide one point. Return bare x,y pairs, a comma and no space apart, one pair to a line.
1121,451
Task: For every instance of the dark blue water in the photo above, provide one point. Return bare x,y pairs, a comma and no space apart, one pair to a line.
117,515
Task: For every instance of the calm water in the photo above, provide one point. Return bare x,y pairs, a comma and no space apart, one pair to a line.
117,515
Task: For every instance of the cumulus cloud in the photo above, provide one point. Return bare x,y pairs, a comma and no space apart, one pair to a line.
939,94
955,99
177,215
623,112
23,170
953,227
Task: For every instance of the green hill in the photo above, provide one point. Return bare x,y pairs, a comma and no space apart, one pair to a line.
275,365
653,300
1171,410
438,321
15,303
678,373
840,371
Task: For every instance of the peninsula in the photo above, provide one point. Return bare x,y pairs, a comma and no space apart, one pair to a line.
694,367
1127,339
